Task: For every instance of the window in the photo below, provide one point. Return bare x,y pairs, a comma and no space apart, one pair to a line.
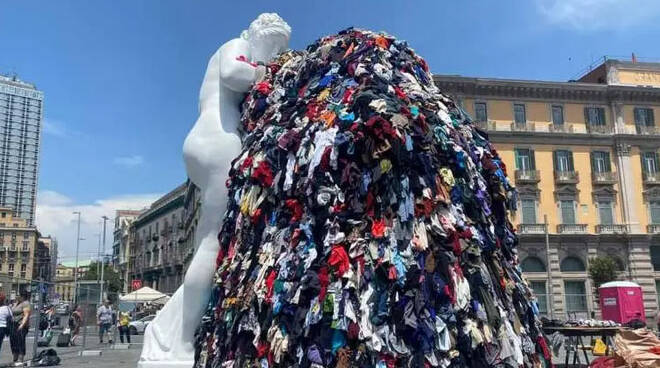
519,113
525,159
654,208
481,111
532,264
576,296
567,211
563,160
23,267
541,295
11,267
655,257
650,162
594,116
572,264
600,162
605,213
528,211
557,115
644,117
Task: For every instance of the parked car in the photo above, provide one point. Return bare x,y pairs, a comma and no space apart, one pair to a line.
138,327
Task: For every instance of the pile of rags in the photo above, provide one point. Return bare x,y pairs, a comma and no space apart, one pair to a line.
367,224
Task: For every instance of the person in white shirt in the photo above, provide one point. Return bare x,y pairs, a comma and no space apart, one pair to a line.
104,317
6,318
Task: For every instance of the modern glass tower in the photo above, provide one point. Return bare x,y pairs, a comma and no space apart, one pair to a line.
21,112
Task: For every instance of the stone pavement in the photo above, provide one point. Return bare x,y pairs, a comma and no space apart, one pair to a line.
109,358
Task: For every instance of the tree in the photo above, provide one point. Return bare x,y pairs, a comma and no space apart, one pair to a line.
602,270
111,277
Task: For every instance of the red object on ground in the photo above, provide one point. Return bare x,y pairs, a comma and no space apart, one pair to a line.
621,301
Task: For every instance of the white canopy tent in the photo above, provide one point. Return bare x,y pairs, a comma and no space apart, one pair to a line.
143,295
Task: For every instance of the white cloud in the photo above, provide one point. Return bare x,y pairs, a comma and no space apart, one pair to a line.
598,14
54,128
55,217
129,161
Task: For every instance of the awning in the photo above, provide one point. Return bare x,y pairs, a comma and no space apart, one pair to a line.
143,295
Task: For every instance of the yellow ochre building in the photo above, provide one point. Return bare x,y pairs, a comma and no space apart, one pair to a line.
584,154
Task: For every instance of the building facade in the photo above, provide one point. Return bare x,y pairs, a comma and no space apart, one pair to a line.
191,206
65,280
155,255
21,112
121,243
584,158
18,242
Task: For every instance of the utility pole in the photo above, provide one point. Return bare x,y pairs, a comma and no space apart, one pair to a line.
75,271
105,218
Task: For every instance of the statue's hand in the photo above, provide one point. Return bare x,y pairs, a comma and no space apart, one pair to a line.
236,72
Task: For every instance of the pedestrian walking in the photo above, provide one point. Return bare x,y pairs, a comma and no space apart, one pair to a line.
6,318
124,330
75,321
21,324
104,318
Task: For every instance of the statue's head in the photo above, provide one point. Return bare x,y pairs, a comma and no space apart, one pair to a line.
268,36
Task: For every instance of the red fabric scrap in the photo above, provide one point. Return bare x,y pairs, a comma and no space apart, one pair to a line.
324,280
245,60
296,209
270,282
378,228
263,174
338,260
262,349
263,87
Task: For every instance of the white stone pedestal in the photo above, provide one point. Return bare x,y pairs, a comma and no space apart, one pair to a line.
165,364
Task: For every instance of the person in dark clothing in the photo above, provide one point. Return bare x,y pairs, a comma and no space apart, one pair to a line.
21,311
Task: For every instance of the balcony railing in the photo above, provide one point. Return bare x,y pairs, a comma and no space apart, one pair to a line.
566,177
528,176
522,127
611,229
604,177
647,130
651,178
561,128
486,125
600,129
653,229
531,228
572,228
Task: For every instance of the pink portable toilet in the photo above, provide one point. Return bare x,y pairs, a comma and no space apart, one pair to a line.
621,301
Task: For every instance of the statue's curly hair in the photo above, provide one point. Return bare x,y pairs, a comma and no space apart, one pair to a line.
267,24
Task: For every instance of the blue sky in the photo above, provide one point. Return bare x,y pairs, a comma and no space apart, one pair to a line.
121,78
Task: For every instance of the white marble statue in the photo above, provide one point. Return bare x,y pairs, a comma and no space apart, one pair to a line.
211,145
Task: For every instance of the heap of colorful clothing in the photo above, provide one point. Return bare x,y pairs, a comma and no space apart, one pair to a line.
367,224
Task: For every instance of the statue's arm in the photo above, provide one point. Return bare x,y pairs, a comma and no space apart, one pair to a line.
235,74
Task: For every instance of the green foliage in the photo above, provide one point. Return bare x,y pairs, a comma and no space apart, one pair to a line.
111,277
602,270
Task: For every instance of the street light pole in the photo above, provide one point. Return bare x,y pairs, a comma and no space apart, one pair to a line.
105,218
75,271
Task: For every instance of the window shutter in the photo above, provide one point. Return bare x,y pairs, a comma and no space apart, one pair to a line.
651,118
601,116
638,117
586,116
655,157
593,161
532,160
555,160
517,156
608,164
570,161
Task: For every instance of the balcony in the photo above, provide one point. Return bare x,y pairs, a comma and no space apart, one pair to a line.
611,229
528,176
486,125
522,127
566,177
561,128
651,178
653,229
600,129
531,228
603,177
647,130
572,228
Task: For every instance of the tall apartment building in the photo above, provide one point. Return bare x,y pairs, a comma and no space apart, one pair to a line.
21,112
156,242
121,241
18,241
584,155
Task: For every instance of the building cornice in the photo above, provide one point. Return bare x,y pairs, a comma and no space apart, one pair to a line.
544,90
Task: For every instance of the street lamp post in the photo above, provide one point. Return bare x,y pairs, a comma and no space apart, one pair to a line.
75,271
105,218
